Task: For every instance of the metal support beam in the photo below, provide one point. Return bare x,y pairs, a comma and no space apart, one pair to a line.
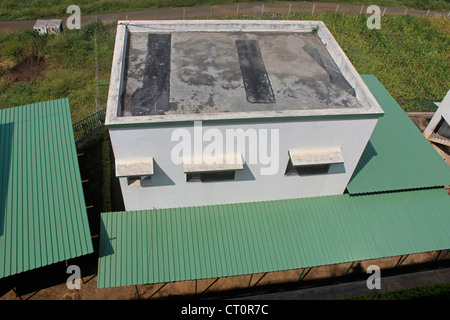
401,260
304,276
211,285
442,256
137,291
17,295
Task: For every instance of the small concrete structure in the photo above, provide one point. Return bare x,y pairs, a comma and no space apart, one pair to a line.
54,26
438,129
235,111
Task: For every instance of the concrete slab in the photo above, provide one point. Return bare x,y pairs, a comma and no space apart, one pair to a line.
174,71
351,289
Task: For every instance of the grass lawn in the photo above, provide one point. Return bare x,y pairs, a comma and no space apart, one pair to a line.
409,55
433,292
38,9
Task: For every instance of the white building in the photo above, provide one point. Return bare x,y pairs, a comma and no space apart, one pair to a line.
48,26
214,112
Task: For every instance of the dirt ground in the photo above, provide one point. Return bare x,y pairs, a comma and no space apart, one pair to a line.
24,72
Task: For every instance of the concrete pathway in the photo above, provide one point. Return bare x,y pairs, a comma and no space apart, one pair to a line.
227,10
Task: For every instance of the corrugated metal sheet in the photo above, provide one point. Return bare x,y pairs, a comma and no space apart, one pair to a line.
43,216
398,156
166,245
225,240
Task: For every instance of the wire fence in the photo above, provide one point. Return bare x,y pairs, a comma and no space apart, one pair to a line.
418,105
89,125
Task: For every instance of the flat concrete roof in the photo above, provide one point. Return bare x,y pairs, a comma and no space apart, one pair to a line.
197,70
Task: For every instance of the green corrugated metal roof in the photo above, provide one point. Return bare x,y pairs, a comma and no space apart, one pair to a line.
167,245
43,216
398,156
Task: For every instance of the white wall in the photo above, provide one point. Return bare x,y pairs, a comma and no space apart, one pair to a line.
170,189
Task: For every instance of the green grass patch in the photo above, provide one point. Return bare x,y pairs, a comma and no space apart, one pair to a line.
39,9
409,55
106,161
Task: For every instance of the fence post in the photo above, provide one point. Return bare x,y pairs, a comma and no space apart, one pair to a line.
88,124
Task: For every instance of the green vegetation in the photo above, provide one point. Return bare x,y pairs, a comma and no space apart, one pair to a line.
39,9
94,160
409,55
106,161
433,292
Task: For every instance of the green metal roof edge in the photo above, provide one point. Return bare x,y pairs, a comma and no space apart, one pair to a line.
398,156
43,219
165,245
